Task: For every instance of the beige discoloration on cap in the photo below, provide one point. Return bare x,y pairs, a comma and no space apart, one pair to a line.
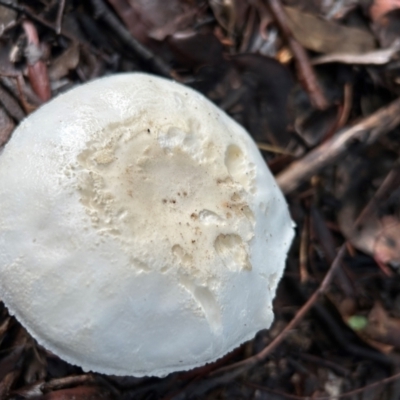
141,231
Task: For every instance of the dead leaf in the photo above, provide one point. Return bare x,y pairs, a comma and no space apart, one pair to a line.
176,24
378,231
144,16
377,57
382,328
66,62
387,244
6,127
327,37
7,18
225,13
381,7
387,28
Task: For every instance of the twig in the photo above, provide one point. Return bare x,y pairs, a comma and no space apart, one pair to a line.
346,108
259,357
103,13
306,71
343,112
366,131
68,381
303,251
60,13
37,69
24,10
248,30
273,149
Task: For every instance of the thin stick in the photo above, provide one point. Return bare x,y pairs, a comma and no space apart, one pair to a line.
259,357
37,69
273,149
306,70
60,13
303,251
347,103
68,381
366,131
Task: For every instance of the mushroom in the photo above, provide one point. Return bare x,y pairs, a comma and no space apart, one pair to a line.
141,231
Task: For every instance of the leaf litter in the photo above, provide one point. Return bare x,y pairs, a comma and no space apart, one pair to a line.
317,85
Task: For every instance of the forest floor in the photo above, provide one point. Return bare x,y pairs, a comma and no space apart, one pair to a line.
316,84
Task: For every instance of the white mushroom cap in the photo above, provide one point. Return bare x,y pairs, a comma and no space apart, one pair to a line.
141,231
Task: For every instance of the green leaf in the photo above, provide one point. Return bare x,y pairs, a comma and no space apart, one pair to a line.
357,322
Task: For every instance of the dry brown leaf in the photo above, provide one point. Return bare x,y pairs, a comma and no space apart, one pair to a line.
377,57
66,62
327,37
225,13
387,244
369,217
7,382
379,237
381,7
387,29
363,237
179,22
382,328
7,18
153,18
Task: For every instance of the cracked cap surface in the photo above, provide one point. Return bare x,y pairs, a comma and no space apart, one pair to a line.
141,232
